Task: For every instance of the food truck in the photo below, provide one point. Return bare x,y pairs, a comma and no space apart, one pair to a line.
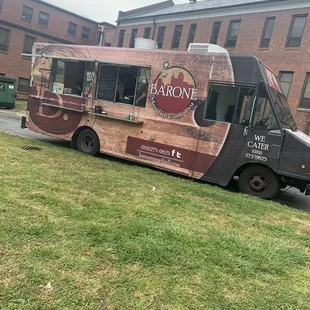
209,116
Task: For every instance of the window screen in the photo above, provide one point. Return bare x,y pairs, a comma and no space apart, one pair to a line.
23,85
305,99
27,13
4,39
147,33
296,31
191,34
121,37
28,44
267,32
127,85
215,32
134,33
85,33
43,19
161,36
286,81
177,36
72,29
233,32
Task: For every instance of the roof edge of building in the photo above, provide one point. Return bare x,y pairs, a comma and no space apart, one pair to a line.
106,23
153,7
132,17
66,11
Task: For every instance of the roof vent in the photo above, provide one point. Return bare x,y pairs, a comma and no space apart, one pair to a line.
206,48
147,44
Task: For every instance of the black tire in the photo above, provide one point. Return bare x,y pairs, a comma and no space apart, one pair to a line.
259,181
87,142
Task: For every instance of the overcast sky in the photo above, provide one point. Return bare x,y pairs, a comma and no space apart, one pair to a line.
103,10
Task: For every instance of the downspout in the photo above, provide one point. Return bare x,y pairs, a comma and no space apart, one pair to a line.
102,34
154,22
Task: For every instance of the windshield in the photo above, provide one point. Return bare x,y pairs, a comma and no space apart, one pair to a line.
283,110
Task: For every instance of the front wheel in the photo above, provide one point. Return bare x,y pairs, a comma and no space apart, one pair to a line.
87,142
260,182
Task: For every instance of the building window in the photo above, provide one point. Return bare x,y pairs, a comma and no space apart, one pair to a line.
1,5
147,33
27,13
108,44
28,43
43,19
161,36
215,32
286,82
267,33
127,85
85,33
177,36
305,101
4,39
121,37
134,33
232,34
296,31
23,85
191,34
72,29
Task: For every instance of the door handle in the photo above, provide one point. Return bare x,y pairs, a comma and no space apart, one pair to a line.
245,131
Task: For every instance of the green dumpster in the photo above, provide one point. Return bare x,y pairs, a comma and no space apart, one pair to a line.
7,92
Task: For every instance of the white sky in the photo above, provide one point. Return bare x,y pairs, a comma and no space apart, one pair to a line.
103,10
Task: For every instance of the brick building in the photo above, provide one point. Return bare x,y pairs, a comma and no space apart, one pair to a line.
276,31
23,22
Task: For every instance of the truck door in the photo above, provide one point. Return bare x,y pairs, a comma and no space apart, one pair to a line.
253,133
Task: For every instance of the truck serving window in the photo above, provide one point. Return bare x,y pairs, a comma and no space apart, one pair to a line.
72,77
221,103
230,103
123,84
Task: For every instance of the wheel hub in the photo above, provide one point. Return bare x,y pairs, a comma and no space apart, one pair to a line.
87,143
258,183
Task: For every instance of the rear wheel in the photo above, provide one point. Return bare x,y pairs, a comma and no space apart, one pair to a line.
260,182
87,142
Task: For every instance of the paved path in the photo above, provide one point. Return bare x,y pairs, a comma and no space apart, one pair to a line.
10,123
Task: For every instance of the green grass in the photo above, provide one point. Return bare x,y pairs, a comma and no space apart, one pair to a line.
20,106
96,231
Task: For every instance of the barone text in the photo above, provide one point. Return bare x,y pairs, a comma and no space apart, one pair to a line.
174,92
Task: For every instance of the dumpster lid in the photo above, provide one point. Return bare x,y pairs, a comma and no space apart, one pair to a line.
7,79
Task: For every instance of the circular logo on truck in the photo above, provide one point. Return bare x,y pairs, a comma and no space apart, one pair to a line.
174,92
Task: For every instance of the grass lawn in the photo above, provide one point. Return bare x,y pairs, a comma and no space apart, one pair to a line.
20,106
96,231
